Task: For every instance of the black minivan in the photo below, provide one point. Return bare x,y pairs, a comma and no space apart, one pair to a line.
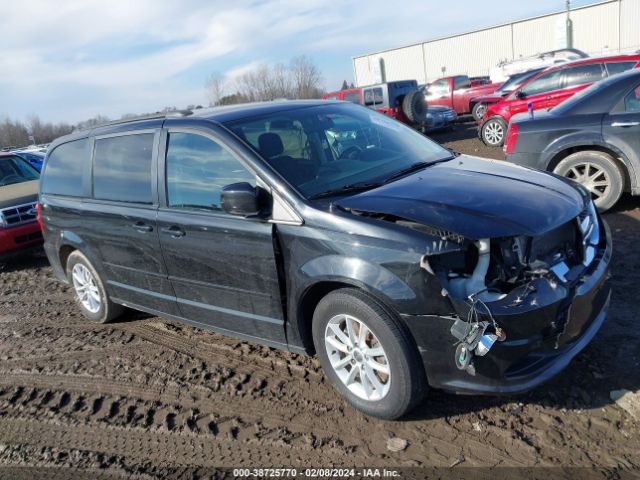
327,228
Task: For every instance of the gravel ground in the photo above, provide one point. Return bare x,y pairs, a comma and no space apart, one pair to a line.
150,398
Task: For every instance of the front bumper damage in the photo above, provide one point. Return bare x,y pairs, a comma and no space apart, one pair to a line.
546,325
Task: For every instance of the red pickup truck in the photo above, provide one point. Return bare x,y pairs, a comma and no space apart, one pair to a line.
457,93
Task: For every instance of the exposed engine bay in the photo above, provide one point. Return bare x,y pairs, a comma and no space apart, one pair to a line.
478,272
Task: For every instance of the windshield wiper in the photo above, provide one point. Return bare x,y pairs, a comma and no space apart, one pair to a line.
414,167
355,187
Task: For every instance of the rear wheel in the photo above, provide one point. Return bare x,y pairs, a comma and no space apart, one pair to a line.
89,290
478,111
493,131
367,354
598,173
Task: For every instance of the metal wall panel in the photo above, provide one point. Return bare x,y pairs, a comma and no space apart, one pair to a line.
602,28
629,25
471,54
595,29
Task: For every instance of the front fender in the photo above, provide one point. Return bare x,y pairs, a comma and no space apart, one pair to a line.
360,273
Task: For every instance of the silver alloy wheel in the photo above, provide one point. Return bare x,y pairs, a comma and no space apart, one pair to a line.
86,287
480,111
493,132
591,176
357,357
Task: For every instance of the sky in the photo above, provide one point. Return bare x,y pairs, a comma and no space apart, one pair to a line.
69,60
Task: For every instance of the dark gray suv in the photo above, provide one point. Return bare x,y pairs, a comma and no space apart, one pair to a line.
328,228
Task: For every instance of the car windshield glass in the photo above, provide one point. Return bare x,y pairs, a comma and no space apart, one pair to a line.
336,146
16,170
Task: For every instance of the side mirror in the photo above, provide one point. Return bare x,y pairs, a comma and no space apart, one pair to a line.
242,199
520,94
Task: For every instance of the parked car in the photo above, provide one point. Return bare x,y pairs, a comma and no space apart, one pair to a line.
322,227
593,138
548,89
456,93
479,104
401,100
34,157
541,60
19,229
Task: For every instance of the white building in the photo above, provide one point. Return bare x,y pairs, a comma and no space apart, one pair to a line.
609,26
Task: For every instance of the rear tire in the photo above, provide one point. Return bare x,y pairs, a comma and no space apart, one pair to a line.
367,354
478,111
598,173
493,131
89,290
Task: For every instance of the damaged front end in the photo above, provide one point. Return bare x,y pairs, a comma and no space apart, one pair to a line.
521,306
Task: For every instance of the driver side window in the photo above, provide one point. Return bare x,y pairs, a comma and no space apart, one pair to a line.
544,83
197,170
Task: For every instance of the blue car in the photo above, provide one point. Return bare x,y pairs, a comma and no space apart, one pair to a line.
34,158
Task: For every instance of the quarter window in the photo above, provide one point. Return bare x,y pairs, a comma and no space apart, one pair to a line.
632,101
64,168
197,170
352,97
122,168
583,74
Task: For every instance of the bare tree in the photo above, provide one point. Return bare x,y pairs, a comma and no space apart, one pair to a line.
306,77
215,89
301,79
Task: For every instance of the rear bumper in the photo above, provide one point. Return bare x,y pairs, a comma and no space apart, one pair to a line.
15,239
544,333
533,160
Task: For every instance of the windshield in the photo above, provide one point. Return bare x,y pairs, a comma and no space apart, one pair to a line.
330,147
16,170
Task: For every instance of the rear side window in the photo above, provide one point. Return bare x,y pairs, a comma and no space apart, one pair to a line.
373,96
583,74
352,97
544,83
619,67
461,82
63,175
122,168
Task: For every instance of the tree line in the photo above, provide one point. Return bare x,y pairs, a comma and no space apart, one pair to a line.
299,79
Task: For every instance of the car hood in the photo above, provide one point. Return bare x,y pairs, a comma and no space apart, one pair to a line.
18,194
484,89
476,198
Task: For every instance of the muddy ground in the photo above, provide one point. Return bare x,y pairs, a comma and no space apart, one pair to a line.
147,398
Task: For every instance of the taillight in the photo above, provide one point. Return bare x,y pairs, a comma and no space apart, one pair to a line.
512,138
39,215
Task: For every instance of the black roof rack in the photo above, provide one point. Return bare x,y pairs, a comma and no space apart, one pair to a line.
153,116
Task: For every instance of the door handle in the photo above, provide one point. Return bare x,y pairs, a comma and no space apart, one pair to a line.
625,124
142,227
175,232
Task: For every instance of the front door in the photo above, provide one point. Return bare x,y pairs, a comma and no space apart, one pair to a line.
222,267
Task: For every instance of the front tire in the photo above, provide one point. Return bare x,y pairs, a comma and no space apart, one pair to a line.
493,132
598,173
89,290
478,111
367,354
